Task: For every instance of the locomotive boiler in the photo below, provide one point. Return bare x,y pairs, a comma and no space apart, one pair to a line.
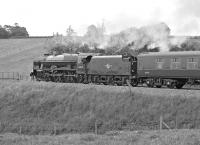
60,68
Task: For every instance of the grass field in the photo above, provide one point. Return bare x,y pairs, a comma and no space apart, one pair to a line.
17,55
173,137
39,108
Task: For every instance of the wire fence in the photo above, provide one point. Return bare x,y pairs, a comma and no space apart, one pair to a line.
97,127
13,76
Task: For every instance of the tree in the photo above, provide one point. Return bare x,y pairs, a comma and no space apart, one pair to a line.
59,49
16,31
3,33
16,25
83,48
70,32
191,44
94,36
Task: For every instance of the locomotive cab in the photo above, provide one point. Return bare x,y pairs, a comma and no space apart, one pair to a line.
82,63
133,60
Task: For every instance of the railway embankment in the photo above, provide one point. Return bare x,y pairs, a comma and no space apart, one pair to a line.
40,108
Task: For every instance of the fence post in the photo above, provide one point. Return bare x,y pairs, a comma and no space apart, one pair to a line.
20,130
176,122
96,127
161,122
54,128
129,85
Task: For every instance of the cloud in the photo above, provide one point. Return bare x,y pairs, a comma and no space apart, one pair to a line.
46,17
185,20
189,8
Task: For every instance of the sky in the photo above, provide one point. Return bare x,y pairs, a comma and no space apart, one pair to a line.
45,17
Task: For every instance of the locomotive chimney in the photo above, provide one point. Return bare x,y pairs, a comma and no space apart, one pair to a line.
54,53
46,54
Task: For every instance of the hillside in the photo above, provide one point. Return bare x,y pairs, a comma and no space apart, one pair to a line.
173,137
38,107
17,55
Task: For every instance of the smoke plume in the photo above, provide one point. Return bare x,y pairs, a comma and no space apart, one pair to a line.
152,36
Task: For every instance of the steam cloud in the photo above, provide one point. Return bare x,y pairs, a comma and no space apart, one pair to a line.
152,36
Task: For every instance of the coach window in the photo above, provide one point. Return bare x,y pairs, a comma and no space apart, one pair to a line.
175,63
159,63
192,63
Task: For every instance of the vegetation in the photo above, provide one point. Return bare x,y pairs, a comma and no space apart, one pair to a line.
190,44
72,43
175,137
16,31
33,108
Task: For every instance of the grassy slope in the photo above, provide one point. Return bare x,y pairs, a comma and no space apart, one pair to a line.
180,137
37,107
17,55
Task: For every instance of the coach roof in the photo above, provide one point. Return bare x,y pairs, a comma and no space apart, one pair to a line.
171,53
108,56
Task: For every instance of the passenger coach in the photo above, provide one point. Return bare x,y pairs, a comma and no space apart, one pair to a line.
172,69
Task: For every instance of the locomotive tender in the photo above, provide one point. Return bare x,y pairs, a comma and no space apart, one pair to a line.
114,69
171,69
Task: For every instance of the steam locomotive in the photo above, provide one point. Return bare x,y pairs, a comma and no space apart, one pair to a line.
155,69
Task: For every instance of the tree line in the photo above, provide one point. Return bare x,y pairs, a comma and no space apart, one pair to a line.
90,42
15,31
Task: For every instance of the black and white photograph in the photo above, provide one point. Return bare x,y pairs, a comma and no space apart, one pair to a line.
100,72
